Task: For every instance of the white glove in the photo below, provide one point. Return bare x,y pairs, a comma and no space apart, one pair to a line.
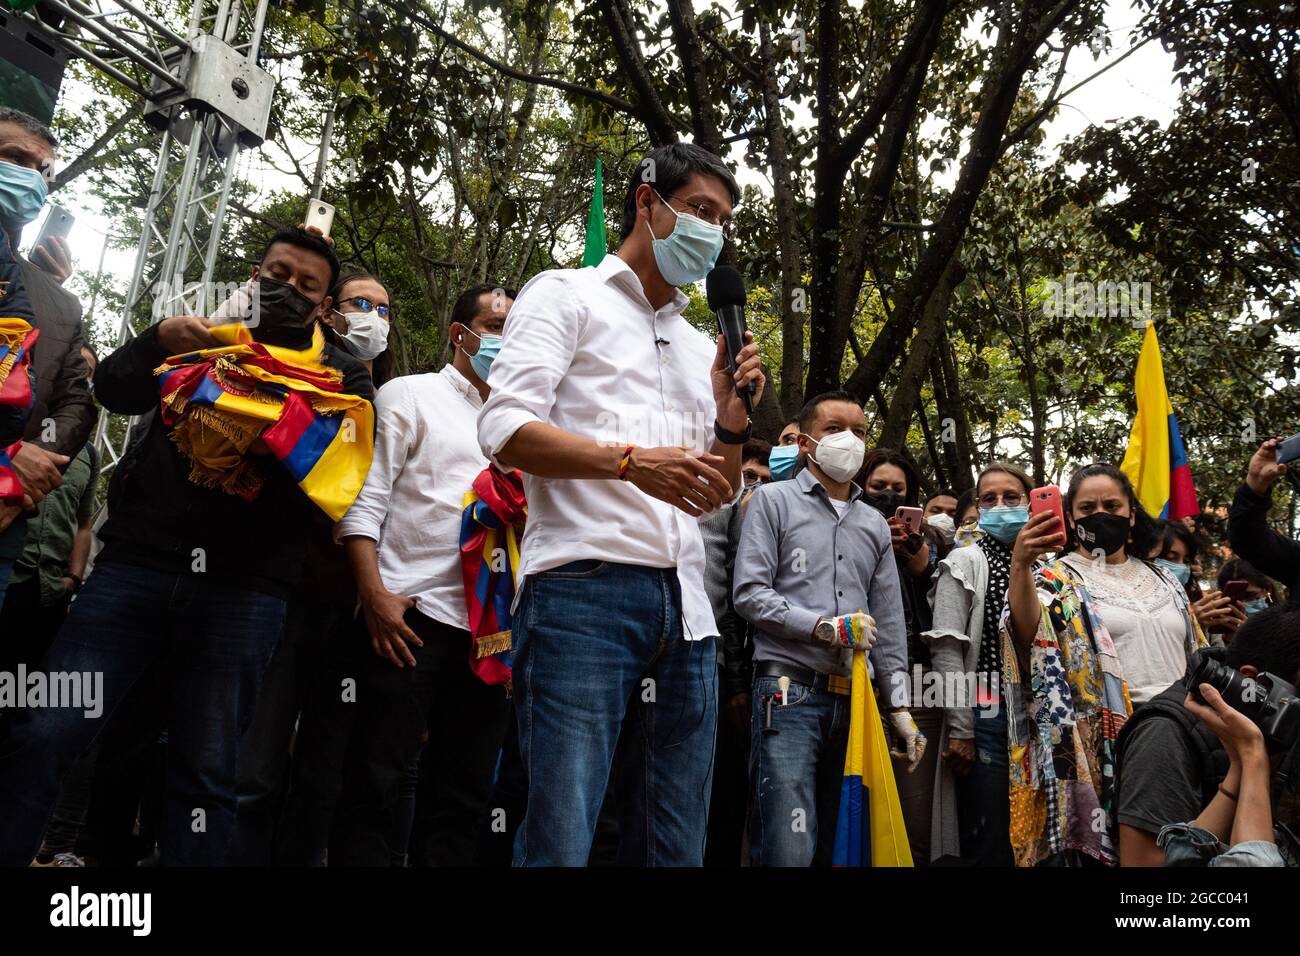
856,631
905,728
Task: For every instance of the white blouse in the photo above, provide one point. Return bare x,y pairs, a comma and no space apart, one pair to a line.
1139,610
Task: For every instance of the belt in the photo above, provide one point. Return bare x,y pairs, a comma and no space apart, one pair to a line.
825,683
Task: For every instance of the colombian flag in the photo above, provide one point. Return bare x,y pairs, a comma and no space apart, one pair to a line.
490,528
11,489
230,402
1156,461
870,829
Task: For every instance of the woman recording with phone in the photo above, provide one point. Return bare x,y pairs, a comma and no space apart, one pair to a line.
1087,636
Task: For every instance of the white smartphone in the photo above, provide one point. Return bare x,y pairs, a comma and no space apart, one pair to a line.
321,215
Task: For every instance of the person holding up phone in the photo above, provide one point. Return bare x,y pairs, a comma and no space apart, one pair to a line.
1249,533
1087,636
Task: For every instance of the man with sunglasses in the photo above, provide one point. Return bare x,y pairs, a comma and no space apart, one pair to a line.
626,423
402,537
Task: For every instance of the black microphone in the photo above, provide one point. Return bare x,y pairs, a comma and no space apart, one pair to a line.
725,290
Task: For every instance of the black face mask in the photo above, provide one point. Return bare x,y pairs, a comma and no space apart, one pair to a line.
280,313
886,502
1101,531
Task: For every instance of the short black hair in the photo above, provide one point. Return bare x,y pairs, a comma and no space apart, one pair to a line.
941,493
1144,537
1269,641
666,168
467,307
295,236
28,122
965,503
808,414
756,449
1171,531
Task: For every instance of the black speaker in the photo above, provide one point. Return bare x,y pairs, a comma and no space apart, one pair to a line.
31,68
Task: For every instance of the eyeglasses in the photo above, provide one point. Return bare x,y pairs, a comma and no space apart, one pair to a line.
709,215
1010,499
365,305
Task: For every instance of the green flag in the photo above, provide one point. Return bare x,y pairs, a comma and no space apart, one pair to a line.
595,250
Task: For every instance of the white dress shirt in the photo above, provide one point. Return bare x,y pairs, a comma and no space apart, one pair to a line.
585,352
426,458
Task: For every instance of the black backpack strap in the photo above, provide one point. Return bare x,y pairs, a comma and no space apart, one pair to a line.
1211,758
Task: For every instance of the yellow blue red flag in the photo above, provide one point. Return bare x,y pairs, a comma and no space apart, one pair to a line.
1156,461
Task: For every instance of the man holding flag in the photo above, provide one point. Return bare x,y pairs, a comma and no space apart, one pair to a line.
1156,461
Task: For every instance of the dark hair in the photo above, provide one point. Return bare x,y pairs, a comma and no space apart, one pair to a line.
666,168
28,122
91,349
1239,569
467,305
294,236
1269,641
941,493
756,449
966,502
383,367
1171,531
808,414
888,456
1144,537
1006,468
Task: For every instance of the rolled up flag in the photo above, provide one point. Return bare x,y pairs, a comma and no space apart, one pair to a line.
222,401
491,525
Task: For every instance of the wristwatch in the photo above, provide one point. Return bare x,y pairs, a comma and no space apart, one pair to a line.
825,630
733,438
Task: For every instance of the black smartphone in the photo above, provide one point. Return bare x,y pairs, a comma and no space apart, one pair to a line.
1289,450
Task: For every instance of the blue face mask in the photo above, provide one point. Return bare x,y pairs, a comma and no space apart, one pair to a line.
1004,523
690,251
22,195
1255,606
488,347
781,461
1181,572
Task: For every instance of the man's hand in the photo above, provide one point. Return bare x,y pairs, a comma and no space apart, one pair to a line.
1041,534
38,470
1263,469
8,513
1238,733
389,634
678,477
731,408
855,631
738,712
960,756
185,333
907,731
54,258
315,231
1217,610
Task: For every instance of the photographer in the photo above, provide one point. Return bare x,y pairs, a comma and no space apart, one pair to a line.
1248,532
1241,811
1171,764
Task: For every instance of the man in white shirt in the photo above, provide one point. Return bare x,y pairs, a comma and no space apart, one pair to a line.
627,425
402,538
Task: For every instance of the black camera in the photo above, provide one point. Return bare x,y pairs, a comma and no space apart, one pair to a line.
1269,701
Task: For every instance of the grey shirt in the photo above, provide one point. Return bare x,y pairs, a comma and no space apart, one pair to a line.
799,560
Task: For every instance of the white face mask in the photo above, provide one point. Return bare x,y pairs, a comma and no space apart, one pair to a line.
367,333
943,524
839,455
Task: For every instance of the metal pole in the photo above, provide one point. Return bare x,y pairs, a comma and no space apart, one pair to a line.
323,157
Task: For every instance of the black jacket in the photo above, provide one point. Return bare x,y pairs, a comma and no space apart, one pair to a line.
1251,538
158,518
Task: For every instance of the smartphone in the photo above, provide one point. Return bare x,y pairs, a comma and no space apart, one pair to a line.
910,518
1289,450
1237,590
321,215
1047,498
57,223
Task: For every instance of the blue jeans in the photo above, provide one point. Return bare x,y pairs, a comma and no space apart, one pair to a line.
1188,845
796,774
217,640
602,673
984,795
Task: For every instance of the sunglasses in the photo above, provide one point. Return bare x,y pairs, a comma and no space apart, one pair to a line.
365,305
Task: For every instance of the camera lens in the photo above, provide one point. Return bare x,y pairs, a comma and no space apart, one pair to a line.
1240,693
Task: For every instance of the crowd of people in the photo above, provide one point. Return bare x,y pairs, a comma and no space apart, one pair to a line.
555,604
